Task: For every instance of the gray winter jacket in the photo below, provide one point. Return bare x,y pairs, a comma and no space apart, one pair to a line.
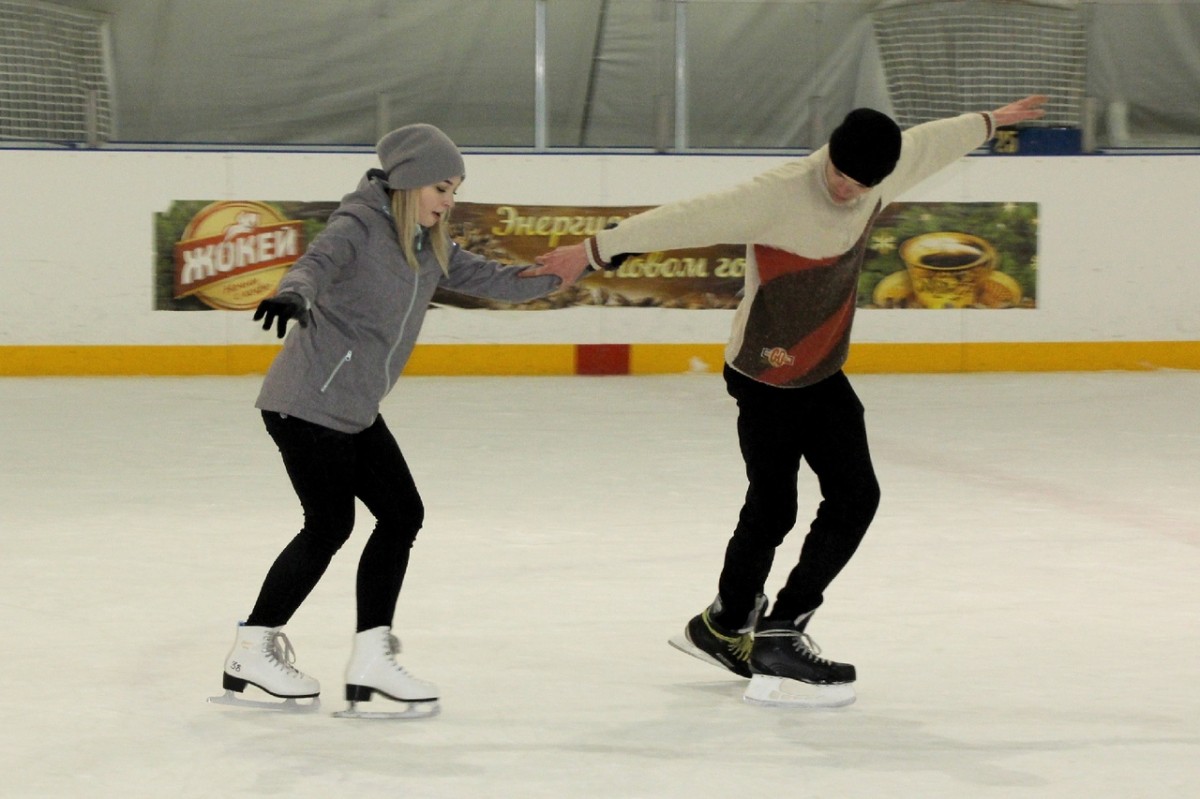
367,304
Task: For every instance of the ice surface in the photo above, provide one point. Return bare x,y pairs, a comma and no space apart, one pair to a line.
1023,614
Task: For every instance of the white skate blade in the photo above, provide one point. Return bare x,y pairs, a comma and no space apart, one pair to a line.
285,705
681,643
409,710
783,692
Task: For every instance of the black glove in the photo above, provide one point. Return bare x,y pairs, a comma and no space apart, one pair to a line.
288,305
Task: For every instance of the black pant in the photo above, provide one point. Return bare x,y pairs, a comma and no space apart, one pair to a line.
777,427
328,469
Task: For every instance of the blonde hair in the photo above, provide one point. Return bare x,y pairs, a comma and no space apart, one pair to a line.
406,211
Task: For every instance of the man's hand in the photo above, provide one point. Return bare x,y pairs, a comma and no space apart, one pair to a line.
1021,111
568,263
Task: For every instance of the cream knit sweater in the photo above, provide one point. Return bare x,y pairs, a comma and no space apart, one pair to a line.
803,251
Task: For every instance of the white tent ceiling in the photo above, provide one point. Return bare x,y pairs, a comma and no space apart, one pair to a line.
776,73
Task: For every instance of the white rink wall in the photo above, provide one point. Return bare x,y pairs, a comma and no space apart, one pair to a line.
1117,247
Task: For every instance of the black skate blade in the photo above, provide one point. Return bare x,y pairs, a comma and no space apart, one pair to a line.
685,646
408,712
286,705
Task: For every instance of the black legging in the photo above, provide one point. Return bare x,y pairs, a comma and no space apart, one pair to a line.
822,423
328,470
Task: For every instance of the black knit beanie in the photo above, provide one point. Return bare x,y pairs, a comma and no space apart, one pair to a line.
866,146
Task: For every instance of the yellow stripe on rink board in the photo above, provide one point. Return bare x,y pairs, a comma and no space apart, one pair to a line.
492,359
934,358
560,359
657,359
1067,356
126,360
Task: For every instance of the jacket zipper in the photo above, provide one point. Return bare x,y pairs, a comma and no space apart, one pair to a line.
337,369
412,301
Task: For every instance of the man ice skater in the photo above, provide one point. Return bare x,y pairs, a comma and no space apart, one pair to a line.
805,225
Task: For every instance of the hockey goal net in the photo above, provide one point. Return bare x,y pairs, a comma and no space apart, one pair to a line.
952,57
54,74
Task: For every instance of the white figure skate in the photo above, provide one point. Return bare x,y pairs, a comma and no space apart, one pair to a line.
373,670
263,657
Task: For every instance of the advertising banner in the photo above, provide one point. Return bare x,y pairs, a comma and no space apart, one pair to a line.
229,255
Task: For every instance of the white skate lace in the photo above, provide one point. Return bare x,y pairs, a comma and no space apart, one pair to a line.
394,649
806,646
279,649
802,642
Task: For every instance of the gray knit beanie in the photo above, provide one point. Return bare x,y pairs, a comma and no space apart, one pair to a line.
866,146
419,155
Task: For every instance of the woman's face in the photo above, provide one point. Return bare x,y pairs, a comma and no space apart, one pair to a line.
434,202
